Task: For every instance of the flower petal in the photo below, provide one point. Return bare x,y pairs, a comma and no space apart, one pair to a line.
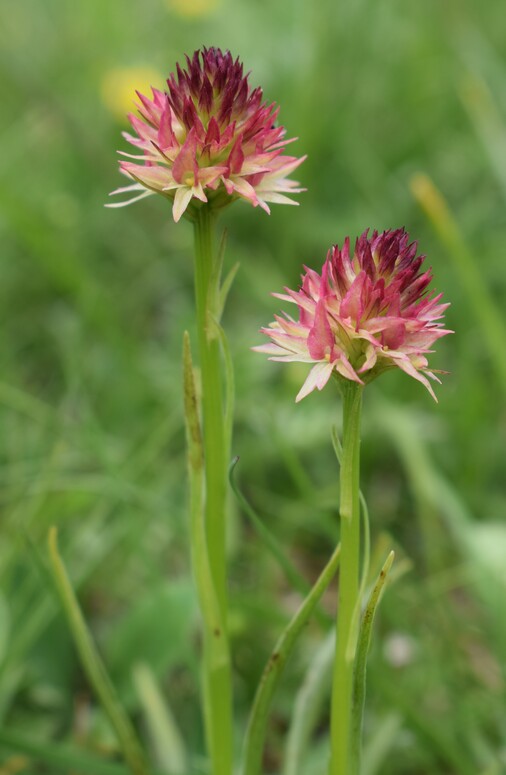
320,340
317,378
181,202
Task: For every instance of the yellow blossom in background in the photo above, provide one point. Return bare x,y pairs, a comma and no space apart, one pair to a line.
193,8
119,85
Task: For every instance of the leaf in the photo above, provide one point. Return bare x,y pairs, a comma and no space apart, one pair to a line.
167,740
257,726
225,288
363,645
308,701
215,307
382,739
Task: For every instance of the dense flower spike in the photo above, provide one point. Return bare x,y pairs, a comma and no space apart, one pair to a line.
209,138
366,313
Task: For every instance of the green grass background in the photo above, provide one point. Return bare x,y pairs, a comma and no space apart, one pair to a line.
93,304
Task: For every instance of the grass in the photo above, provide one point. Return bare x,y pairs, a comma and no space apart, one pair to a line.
93,306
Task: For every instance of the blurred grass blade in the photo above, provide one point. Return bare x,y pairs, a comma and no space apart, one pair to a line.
93,665
467,268
385,733
307,706
257,725
297,581
363,645
487,121
5,627
167,740
454,745
435,737
70,277
21,401
494,769
62,757
482,543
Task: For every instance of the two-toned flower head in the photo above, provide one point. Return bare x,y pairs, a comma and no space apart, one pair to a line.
365,313
209,138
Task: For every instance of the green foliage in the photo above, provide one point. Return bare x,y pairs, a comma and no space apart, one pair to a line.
93,307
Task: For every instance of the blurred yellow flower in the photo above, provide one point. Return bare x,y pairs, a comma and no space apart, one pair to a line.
119,85
193,8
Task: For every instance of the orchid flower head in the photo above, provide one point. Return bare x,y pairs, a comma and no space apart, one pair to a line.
208,138
368,311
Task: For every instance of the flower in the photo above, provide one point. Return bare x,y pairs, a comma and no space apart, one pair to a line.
209,138
366,313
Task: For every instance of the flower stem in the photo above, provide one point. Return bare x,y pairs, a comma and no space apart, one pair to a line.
212,399
347,622
217,683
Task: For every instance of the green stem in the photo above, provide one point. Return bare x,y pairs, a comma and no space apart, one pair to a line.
215,451
347,623
217,668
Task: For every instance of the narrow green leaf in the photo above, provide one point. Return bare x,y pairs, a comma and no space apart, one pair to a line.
215,305
257,726
225,288
93,665
308,702
167,740
383,737
363,645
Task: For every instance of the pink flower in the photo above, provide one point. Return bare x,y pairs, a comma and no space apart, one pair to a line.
364,314
209,138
